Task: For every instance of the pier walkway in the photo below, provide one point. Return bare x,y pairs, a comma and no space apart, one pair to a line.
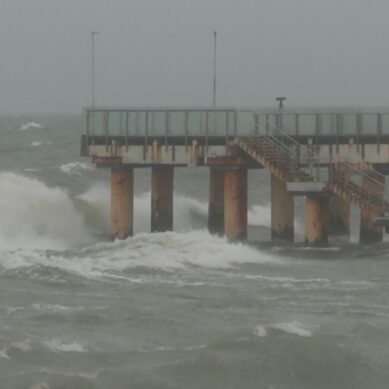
333,157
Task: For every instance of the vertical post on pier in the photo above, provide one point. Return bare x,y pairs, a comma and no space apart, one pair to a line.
162,183
122,200
216,201
316,219
369,232
282,211
339,216
235,204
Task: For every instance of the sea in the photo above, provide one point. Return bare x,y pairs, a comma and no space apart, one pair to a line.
181,309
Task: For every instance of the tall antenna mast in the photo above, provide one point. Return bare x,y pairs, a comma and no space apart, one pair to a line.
93,60
214,68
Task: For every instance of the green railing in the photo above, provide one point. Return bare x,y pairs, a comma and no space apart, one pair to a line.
231,121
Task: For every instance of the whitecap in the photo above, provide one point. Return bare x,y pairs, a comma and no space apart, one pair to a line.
75,167
23,345
36,144
56,345
30,125
260,331
35,216
293,328
3,354
259,215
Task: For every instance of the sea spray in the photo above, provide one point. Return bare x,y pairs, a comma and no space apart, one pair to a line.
115,261
35,216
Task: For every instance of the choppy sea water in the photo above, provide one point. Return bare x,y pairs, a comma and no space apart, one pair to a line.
175,310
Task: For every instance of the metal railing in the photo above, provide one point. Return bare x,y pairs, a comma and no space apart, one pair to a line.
371,187
231,121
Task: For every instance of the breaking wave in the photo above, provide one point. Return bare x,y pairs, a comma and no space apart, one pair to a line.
30,126
76,167
35,216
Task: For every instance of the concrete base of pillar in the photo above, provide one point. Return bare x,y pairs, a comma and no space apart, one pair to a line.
370,233
216,202
339,216
235,204
282,211
316,220
162,183
122,200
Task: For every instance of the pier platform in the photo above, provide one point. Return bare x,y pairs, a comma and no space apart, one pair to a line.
335,158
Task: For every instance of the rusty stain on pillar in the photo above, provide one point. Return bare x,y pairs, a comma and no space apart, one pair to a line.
216,201
235,204
316,219
369,232
282,211
339,216
122,200
162,184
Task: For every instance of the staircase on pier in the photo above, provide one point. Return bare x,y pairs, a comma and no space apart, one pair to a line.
358,184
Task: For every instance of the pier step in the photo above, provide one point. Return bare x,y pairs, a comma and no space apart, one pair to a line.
276,155
368,196
280,156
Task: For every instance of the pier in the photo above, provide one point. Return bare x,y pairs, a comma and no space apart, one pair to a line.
335,158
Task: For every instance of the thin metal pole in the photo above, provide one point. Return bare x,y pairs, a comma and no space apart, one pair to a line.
214,67
93,59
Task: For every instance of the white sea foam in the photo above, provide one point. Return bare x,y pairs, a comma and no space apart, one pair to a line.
57,345
165,251
260,331
23,345
3,354
293,328
36,144
40,385
76,167
34,216
259,215
184,209
30,125
55,308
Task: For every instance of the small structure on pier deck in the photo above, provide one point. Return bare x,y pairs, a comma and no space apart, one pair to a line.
333,158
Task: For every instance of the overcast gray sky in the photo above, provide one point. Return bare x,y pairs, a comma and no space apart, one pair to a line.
159,52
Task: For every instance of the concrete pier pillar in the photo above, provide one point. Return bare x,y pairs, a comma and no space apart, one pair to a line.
216,201
235,204
122,202
316,220
162,183
369,232
339,216
282,211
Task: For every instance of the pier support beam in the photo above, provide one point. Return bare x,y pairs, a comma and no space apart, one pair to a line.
369,232
316,220
162,183
122,202
282,211
216,201
339,216
235,204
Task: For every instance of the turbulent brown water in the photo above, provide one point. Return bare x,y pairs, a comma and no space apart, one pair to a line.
174,310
